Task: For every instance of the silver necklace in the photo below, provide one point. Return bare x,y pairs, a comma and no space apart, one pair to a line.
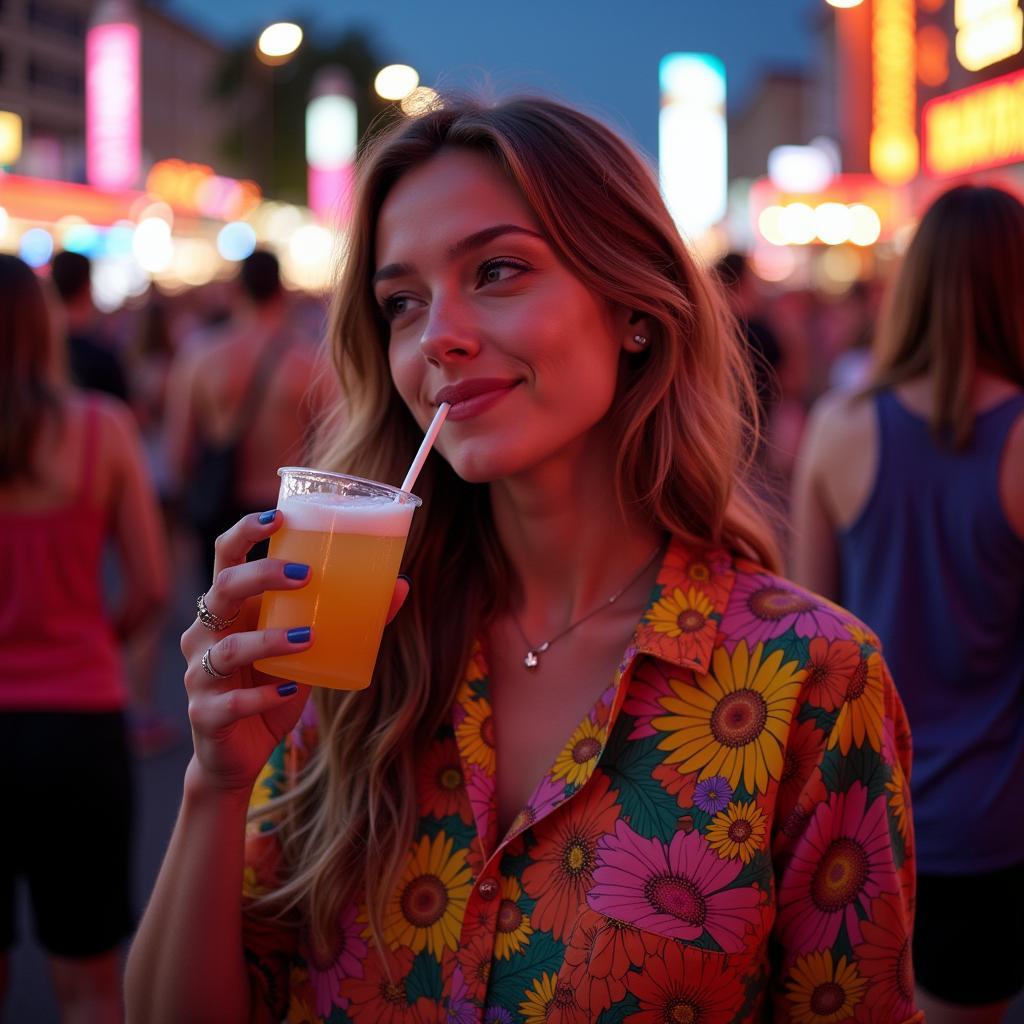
534,651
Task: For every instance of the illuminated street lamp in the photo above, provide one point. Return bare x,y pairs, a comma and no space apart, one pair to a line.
396,81
845,3
278,42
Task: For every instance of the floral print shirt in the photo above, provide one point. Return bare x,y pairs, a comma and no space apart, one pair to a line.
726,836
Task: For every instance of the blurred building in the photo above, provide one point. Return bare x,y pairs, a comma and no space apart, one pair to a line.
173,206
779,111
42,79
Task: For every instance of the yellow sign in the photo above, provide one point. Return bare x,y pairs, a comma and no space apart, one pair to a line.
894,147
987,31
978,127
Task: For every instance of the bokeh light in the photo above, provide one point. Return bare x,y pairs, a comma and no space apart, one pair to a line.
419,101
279,40
396,81
796,223
36,247
769,223
865,225
832,223
152,245
236,240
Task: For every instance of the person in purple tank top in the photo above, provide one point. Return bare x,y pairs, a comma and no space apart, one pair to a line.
908,508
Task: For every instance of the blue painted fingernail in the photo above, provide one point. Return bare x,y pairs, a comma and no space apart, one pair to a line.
298,635
268,517
287,689
296,570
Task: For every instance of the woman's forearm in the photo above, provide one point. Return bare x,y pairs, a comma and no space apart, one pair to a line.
186,963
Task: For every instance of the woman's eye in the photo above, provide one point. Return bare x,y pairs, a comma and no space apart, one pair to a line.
494,271
394,306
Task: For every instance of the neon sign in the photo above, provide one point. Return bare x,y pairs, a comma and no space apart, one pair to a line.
894,152
987,31
978,127
113,148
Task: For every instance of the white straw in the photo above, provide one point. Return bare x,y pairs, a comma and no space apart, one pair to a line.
428,442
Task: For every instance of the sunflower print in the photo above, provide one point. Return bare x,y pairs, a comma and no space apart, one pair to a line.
680,613
513,923
475,734
822,991
734,721
576,762
636,882
862,712
738,831
429,903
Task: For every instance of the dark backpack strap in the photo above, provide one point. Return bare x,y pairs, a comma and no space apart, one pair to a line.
257,386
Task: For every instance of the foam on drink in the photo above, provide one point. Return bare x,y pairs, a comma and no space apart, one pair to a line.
330,513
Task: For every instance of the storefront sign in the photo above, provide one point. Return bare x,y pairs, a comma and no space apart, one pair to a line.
975,128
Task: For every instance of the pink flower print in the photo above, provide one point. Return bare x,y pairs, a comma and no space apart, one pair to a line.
681,890
763,607
842,862
326,978
647,686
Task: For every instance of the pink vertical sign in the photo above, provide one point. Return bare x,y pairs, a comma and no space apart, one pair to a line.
112,129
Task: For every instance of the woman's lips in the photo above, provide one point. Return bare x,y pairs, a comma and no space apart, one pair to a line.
480,402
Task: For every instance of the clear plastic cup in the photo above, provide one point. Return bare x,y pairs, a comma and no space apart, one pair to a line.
351,533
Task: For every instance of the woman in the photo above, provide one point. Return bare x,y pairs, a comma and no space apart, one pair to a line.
566,791
909,510
72,479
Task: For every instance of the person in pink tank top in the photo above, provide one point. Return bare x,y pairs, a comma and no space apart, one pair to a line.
72,479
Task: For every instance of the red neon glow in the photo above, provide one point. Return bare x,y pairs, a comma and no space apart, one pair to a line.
112,131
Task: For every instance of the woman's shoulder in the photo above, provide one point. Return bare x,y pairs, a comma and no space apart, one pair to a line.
768,608
841,417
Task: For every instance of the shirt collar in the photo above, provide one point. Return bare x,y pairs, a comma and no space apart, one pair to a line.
680,623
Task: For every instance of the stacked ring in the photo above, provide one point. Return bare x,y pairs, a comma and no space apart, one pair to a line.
209,669
209,619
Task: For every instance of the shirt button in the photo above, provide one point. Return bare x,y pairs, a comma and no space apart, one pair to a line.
488,889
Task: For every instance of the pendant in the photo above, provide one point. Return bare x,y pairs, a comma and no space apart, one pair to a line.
532,659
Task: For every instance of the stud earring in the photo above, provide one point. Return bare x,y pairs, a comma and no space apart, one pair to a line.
640,339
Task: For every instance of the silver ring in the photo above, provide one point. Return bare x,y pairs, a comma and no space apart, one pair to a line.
209,619
209,669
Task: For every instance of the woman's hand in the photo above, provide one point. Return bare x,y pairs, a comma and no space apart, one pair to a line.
237,720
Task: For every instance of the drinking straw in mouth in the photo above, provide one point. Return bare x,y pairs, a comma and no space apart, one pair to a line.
428,442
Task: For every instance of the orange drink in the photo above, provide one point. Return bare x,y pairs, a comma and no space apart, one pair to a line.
352,537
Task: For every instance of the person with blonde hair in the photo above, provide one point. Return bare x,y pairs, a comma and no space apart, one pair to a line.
610,763
73,482
909,509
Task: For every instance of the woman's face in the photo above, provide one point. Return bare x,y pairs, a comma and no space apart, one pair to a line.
484,315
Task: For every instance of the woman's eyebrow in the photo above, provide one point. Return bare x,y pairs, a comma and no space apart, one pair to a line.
460,248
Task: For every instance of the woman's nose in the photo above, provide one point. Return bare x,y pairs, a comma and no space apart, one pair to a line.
448,336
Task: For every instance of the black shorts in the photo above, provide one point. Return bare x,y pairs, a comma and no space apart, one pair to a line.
969,936
68,828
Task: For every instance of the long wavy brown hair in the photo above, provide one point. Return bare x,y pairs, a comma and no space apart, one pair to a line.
28,395
682,445
957,304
